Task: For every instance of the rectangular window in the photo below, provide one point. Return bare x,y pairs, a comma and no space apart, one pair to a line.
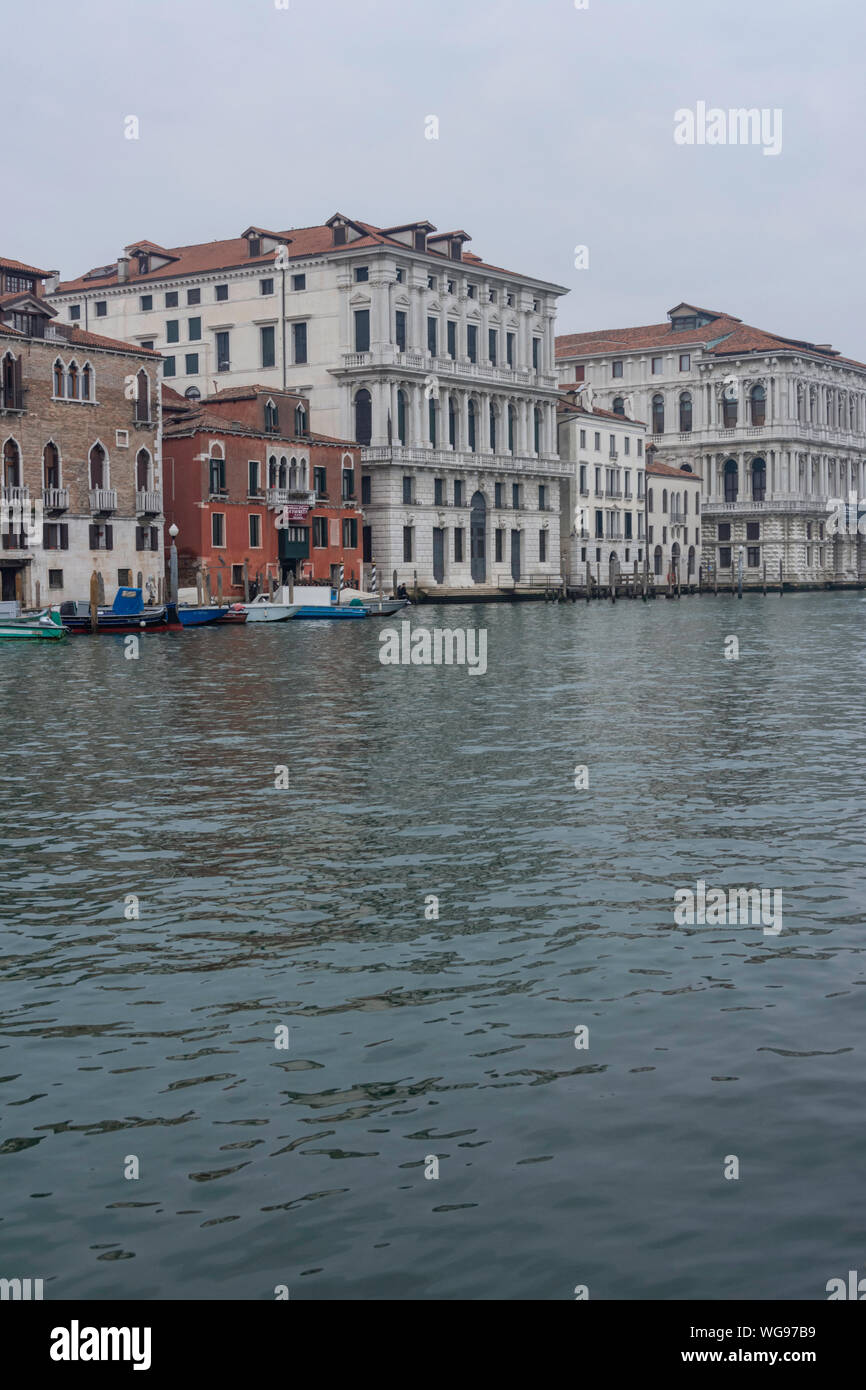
470,291
400,330
320,532
253,473
191,363
362,330
193,296
472,342
124,578
255,531
101,308
223,355
724,557
598,441
348,484
753,556
458,544
169,367
432,336
194,331
299,282
408,544
362,273
221,293
542,546
724,530
407,489
217,475
366,488
146,302
515,495
438,492
171,300
266,286
74,313
626,444
536,349
458,492
509,349
497,494
451,331
685,362
172,331
299,342
628,526
640,448
753,530
492,343
55,579
658,364
583,486
320,483
617,368
401,275
499,542
542,497
599,523
148,346
350,533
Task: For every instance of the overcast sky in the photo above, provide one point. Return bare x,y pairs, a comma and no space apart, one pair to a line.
556,129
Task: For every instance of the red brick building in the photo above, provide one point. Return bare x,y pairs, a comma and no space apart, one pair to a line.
255,494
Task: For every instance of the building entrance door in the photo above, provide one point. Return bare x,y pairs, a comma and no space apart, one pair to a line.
478,537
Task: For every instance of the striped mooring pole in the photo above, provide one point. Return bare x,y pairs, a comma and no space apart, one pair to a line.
342,578
373,578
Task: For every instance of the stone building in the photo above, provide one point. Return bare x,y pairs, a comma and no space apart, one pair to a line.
439,364
603,515
774,426
79,439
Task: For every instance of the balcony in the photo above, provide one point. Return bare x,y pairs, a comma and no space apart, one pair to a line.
103,499
280,496
12,402
474,461
15,494
148,503
613,492
55,499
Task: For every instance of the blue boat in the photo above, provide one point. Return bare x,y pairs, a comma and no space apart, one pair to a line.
321,611
196,617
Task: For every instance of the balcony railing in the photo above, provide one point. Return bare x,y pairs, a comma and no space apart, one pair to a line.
149,503
549,464
55,499
103,499
15,494
12,400
279,496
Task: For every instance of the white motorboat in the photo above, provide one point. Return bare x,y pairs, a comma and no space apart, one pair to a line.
264,610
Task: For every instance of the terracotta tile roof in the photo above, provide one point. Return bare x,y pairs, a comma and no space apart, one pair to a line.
667,470
172,397
725,336
8,264
85,339
205,257
575,408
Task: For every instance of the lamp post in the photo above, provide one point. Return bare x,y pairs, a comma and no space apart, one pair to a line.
172,564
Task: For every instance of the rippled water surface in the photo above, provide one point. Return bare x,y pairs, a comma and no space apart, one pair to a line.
455,1037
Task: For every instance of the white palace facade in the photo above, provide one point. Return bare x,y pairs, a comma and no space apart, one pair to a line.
774,427
440,365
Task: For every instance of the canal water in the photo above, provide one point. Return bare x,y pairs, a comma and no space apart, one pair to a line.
419,1042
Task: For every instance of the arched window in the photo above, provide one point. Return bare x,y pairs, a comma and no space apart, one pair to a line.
493,428
472,426
686,502
59,378
730,408
72,381
300,421
665,500
731,481
11,464
97,463
87,382
618,405
281,474
272,418
217,469
432,421
657,560
697,503
511,429
142,397
452,423
758,403
759,480
293,475
142,470
685,412
272,471
401,416
658,414
363,416
50,466
649,500
536,440
691,561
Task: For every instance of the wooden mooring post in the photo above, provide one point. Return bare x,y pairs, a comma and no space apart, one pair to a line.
94,601
588,581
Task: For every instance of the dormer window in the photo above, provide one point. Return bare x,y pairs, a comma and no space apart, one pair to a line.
272,418
420,241
143,263
255,245
456,249
339,234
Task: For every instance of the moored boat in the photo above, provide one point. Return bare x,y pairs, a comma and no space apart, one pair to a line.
127,614
194,616
37,627
235,613
266,610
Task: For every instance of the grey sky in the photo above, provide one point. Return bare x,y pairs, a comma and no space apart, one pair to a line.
556,129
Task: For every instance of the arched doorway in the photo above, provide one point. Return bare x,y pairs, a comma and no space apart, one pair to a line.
478,537
691,560
759,480
657,561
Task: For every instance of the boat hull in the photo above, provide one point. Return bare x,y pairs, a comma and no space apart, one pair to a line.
270,612
48,629
314,611
198,617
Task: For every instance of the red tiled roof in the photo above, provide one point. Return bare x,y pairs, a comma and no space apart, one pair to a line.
85,339
667,470
8,264
204,257
728,336
576,408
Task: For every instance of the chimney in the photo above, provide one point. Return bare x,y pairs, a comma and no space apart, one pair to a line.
52,282
122,269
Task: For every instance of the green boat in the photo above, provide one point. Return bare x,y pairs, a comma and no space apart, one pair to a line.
39,627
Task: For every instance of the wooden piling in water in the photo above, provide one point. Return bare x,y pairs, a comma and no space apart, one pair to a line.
588,581
246,581
199,589
94,601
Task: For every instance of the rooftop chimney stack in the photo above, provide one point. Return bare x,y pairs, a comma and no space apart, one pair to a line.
122,269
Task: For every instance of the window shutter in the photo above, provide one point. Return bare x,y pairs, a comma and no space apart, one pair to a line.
154,538
94,537
64,536
45,536
109,537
